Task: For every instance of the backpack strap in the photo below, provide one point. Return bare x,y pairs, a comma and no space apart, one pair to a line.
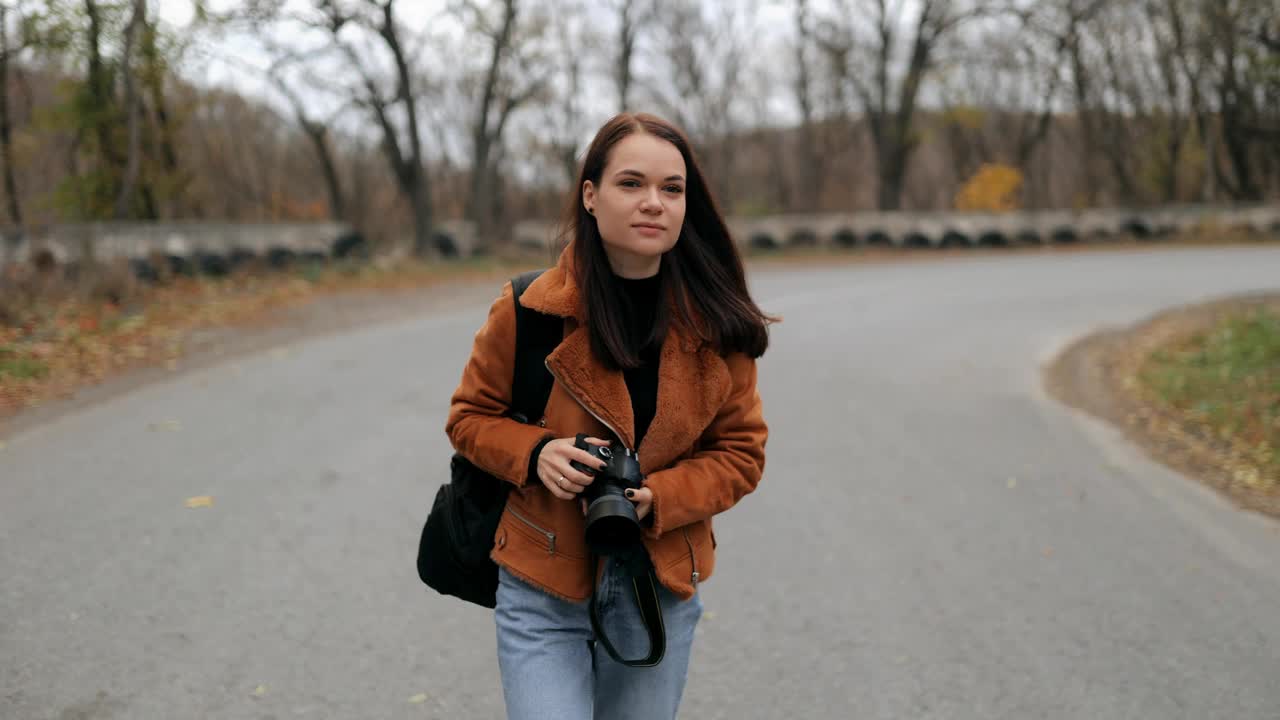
537,334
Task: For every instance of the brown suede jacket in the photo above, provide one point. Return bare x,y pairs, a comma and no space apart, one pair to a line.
702,453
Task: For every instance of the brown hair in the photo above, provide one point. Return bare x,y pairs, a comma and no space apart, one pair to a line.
703,272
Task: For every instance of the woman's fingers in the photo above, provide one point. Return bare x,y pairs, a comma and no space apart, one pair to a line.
555,490
574,480
557,473
643,498
582,456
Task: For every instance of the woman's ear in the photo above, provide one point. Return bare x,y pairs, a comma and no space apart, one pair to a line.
589,196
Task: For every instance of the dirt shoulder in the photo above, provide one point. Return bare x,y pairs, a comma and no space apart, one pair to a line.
314,316
1099,374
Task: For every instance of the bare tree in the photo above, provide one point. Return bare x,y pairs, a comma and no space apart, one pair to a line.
317,132
503,91
133,110
1241,46
565,114
9,51
403,154
705,47
632,17
887,94
813,170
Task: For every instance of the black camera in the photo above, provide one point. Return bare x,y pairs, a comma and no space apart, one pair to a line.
612,525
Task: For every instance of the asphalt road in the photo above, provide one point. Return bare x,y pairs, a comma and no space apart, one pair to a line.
934,536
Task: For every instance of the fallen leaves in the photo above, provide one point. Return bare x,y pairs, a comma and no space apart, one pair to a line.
260,691
200,501
53,345
418,699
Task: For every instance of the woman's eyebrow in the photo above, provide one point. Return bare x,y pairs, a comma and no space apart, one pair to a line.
639,174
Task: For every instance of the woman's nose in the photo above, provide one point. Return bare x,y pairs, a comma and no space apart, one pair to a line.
651,202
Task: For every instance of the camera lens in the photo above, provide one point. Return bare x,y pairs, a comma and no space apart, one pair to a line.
606,453
612,525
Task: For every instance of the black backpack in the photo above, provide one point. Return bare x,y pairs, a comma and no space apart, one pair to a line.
453,552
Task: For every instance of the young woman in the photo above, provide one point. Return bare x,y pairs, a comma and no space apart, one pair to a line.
659,353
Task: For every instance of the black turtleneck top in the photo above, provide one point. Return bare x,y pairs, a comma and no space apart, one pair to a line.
642,382
641,306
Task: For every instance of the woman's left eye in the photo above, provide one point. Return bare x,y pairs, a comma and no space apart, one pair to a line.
675,189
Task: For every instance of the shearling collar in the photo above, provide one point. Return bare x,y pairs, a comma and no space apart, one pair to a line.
693,380
556,292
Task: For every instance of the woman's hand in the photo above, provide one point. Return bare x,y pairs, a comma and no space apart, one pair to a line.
643,498
555,472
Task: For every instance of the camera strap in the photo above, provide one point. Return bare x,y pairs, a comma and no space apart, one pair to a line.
645,587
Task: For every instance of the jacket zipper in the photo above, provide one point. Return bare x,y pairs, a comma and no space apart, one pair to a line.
550,536
613,430
692,557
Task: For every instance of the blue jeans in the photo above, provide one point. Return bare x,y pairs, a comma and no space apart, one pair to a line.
552,669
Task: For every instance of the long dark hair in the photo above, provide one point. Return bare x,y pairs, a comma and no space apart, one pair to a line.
703,272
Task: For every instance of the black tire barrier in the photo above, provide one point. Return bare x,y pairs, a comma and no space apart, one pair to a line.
803,238
993,238
44,261
240,258
212,264
350,244
880,238
446,246
1138,229
1029,237
1064,235
763,241
144,271
179,265
954,239
916,240
280,258
845,238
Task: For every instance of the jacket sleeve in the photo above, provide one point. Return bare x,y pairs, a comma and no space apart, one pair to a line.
726,466
477,425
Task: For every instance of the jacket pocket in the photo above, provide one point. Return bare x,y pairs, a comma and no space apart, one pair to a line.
687,559
532,530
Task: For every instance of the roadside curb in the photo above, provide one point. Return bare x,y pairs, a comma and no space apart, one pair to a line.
1097,374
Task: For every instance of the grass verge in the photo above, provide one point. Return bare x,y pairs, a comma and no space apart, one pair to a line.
1224,383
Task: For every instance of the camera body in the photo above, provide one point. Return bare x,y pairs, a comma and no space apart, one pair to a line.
612,524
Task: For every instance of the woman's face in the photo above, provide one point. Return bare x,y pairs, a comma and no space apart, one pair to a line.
639,204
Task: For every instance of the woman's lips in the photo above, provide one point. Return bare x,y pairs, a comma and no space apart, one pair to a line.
649,230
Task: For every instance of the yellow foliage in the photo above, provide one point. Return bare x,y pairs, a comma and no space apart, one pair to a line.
994,187
965,116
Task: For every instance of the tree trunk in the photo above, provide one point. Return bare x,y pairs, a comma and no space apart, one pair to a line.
154,80
417,184
102,104
6,123
125,199
480,206
627,30
813,168
319,135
